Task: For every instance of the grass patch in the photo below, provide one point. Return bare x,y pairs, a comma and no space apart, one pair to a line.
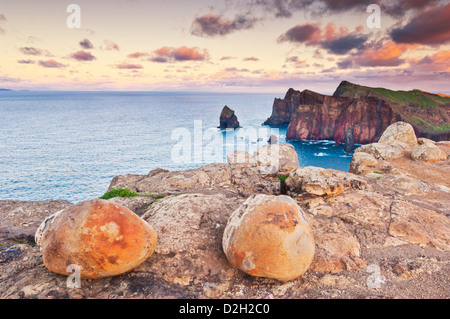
119,192
379,173
283,178
127,193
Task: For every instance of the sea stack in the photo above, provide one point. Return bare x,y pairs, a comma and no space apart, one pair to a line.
228,120
350,139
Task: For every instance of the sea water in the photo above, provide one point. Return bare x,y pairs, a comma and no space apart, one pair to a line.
69,145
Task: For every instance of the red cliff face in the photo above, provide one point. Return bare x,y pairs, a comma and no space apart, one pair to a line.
313,116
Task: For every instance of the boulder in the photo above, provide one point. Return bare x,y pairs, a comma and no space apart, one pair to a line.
422,141
316,181
240,157
228,119
273,159
190,248
103,238
428,153
269,236
399,132
384,151
363,163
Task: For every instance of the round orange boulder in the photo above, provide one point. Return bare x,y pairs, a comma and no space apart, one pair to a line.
104,239
269,236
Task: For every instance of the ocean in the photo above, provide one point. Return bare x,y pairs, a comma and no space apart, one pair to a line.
69,145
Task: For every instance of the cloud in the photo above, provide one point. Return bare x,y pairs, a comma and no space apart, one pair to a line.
82,56
211,25
34,51
51,64
285,8
2,31
26,62
110,46
128,66
380,55
86,44
400,7
184,53
138,55
345,44
331,38
438,62
430,27
251,59
226,58
307,33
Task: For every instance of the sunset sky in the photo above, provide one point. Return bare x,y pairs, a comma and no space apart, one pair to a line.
227,46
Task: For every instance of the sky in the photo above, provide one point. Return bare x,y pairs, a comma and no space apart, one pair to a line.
224,46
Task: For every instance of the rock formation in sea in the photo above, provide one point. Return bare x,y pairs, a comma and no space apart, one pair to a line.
228,119
380,230
350,139
313,116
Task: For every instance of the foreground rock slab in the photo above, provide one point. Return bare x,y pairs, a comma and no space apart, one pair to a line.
269,237
103,238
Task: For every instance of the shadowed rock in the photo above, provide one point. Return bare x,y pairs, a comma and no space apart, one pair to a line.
228,119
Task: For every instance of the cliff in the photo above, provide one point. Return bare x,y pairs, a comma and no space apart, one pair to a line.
313,116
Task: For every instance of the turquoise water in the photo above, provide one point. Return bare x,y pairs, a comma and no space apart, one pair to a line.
69,145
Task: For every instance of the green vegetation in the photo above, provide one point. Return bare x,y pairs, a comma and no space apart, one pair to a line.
119,192
414,97
127,193
283,178
379,173
411,105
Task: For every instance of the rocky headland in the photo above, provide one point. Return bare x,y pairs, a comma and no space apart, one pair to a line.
381,230
364,111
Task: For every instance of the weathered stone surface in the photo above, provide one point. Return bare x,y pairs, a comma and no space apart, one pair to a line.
213,177
336,247
190,244
399,132
363,163
240,157
317,181
416,225
429,153
384,151
273,159
422,141
270,237
19,220
103,238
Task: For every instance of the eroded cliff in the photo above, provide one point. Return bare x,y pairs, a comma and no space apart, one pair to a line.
313,116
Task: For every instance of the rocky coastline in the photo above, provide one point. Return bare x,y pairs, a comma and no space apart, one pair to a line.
365,111
381,230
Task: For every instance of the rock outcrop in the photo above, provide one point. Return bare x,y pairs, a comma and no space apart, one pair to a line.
228,119
390,214
313,116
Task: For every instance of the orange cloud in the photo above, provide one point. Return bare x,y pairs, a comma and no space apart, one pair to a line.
439,62
387,55
184,53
